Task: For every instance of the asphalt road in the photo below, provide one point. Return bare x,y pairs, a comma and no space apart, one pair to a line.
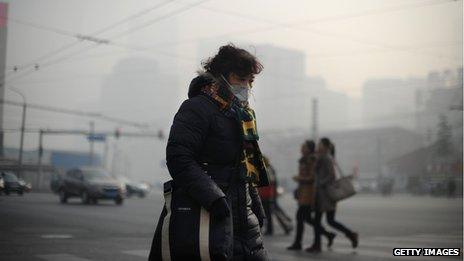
38,227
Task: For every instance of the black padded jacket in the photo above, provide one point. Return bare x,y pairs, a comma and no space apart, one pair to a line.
202,153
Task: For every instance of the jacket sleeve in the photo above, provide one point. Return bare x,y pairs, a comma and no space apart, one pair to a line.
186,138
256,205
326,172
303,179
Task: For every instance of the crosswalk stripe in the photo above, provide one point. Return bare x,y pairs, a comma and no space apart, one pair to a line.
419,240
390,242
385,247
140,252
61,257
385,244
451,237
383,254
285,257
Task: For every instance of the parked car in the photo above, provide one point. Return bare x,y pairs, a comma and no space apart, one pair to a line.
55,182
26,186
138,189
12,183
2,184
91,184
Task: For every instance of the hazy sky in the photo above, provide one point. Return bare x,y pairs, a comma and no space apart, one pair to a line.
346,42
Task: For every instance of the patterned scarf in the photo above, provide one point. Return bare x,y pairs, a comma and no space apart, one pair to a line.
251,162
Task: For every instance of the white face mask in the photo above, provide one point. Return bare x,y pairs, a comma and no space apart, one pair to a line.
240,91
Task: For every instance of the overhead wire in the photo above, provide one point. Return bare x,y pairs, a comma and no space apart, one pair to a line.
111,42
74,112
95,33
127,47
292,26
276,25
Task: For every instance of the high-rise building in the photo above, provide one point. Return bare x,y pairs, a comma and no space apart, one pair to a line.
391,102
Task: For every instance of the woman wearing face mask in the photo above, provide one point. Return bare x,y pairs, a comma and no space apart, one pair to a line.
213,152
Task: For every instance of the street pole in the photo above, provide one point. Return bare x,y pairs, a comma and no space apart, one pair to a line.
39,164
315,120
21,142
3,51
92,130
379,165
23,126
105,155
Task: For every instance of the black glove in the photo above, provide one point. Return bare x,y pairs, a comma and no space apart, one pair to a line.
220,209
261,222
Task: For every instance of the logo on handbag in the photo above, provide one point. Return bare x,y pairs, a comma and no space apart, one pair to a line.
183,209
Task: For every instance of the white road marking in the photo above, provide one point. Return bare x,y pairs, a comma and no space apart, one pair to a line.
62,257
57,236
367,247
419,240
342,248
141,252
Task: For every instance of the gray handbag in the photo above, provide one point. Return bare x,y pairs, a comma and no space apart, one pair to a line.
342,188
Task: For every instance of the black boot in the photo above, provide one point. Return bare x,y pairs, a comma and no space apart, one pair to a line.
354,238
294,246
314,249
330,239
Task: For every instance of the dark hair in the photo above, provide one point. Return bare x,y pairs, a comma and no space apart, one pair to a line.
231,59
329,145
311,145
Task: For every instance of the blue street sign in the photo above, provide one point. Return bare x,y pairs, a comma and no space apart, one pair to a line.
97,137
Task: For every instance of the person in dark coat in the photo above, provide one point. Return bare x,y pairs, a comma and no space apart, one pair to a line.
212,151
305,194
325,176
269,197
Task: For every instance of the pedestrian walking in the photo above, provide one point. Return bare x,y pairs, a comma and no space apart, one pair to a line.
451,187
213,156
305,195
269,197
325,177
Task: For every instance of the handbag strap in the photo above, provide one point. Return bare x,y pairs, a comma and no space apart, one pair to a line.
165,246
340,171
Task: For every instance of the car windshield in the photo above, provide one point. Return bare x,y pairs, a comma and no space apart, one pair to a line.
9,177
96,175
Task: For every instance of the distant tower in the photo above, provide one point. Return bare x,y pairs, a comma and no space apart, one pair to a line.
3,35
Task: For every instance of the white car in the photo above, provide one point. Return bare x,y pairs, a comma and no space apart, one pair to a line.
2,184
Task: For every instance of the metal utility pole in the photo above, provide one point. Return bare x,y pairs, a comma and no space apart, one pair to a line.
41,133
315,127
23,126
3,41
379,157
91,141
21,142
105,155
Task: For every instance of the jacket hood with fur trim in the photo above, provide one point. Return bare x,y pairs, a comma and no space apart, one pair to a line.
198,82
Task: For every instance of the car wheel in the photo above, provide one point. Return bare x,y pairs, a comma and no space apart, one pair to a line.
95,201
119,201
63,196
7,192
85,197
141,195
20,192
